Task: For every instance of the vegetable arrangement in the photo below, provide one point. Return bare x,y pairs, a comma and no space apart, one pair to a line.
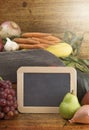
66,49
11,33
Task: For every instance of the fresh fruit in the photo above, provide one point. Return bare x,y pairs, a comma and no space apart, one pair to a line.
85,99
8,102
69,106
60,49
81,115
1,45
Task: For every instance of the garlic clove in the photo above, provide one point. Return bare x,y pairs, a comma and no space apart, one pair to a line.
11,45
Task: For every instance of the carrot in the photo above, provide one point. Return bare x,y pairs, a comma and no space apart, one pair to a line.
52,38
26,41
37,46
35,34
41,40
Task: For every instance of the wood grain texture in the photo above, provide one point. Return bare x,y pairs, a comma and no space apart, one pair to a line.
52,16
40,122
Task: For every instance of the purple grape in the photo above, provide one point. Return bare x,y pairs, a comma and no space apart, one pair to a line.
0,109
9,83
15,105
3,94
9,97
6,85
12,92
7,91
2,102
14,99
16,112
1,83
6,109
12,108
8,101
1,115
1,89
10,114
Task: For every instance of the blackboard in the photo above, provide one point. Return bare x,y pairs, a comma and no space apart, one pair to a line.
41,89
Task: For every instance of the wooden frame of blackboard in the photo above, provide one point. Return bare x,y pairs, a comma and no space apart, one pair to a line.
43,70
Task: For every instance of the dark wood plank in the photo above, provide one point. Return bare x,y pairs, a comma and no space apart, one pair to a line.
54,16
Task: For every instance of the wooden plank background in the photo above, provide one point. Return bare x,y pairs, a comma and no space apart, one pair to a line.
53,16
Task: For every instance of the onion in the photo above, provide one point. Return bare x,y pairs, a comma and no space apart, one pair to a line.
9,29
81,116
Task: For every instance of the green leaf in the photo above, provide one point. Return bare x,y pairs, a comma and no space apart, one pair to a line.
74,40
77,63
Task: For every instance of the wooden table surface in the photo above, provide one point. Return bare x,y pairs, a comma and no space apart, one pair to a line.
40,122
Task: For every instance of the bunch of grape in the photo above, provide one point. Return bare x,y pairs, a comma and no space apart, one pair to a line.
8,101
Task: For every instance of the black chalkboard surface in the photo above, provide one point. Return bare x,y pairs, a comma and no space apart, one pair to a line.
45,89
41,89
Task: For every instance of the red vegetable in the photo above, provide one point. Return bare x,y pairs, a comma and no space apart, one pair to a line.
1,45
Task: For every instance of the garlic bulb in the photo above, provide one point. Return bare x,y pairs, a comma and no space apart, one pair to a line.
11,45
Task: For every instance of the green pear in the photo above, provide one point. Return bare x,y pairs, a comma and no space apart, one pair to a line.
69,106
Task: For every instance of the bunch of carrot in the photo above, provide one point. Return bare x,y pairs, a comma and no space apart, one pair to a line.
34,40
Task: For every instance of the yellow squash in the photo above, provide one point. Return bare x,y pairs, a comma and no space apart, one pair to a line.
60,49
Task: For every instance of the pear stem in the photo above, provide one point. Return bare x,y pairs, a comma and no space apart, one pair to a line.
72,91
